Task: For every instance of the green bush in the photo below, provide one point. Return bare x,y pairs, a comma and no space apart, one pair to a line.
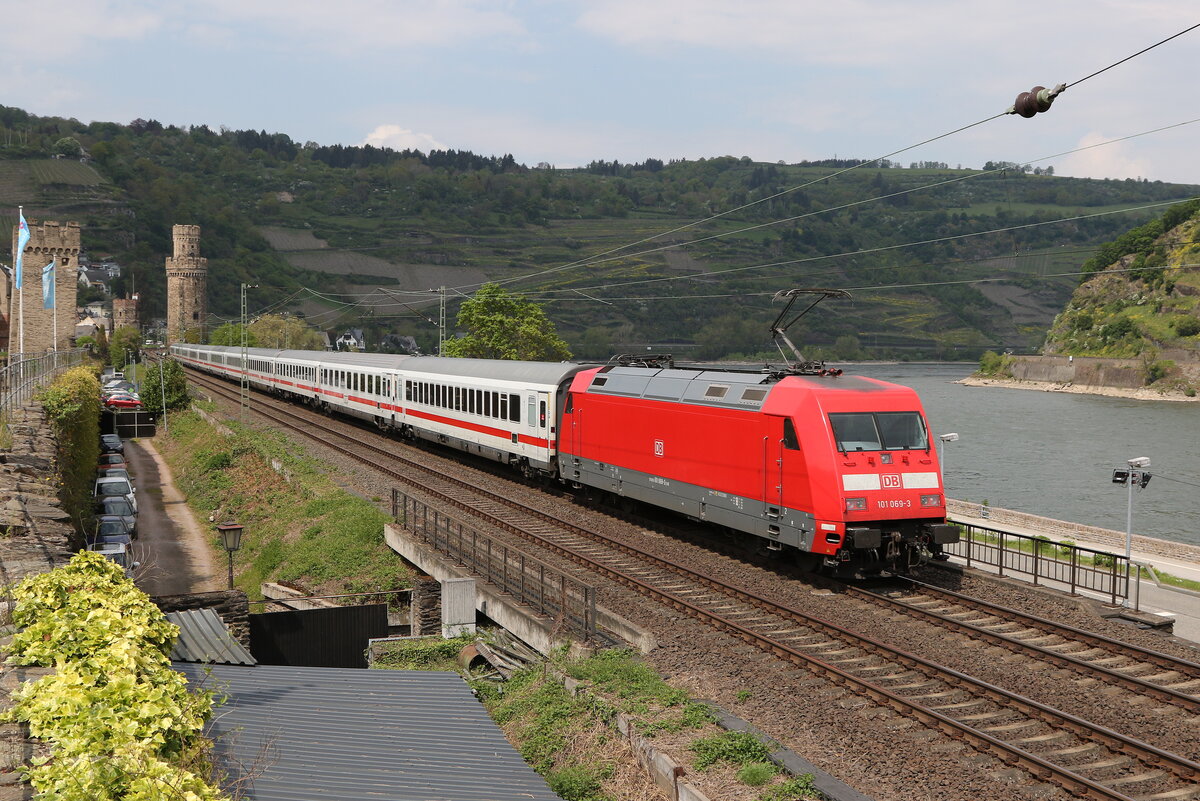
1186,325
578,783
994,364
1156,371
121,724
756,774
798,788
731,747
72,405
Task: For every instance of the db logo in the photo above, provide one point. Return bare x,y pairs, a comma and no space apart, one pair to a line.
891,481
658,447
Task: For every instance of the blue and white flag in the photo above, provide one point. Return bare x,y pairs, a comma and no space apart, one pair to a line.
48,284
22,241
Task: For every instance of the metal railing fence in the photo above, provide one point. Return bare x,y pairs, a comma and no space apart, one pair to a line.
531,582
25,373
1044,560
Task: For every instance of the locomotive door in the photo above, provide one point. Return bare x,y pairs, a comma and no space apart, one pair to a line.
773,467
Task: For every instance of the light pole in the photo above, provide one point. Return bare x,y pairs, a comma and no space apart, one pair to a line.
1136,474
245,383
231,538
951,437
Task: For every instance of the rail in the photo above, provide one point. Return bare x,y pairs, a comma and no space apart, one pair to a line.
24,374
531,582
1044,560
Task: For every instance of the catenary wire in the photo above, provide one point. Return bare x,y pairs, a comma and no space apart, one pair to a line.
1135,55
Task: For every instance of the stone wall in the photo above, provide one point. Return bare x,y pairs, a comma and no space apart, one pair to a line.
230,605
1088,371
36,534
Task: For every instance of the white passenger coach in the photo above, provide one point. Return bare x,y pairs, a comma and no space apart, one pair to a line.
502,410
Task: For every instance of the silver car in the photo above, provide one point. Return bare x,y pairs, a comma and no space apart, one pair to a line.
115,486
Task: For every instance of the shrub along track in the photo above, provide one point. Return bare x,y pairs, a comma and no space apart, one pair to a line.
1086,759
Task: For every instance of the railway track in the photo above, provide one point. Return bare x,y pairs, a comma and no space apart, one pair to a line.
1084,759
1150,673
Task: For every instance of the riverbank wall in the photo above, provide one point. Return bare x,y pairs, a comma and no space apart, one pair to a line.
1124,378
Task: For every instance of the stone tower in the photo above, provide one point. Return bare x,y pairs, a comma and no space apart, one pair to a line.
125,314
187,282
47,241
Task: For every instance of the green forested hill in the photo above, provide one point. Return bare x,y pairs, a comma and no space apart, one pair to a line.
344,221
1141,297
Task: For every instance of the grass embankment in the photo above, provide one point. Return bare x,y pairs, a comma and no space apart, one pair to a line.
300,527
570,739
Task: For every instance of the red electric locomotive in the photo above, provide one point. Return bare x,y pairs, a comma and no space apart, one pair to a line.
840,468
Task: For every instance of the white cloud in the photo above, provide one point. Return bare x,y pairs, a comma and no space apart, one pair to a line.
1111,161
398,138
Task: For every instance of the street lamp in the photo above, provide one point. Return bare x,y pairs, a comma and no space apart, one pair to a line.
951,437
231,538
1136,474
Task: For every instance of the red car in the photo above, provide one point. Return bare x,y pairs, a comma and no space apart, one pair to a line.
123,402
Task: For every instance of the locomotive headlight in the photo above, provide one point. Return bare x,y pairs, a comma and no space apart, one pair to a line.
931,500
856,504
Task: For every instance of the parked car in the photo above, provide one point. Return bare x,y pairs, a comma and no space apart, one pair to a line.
114,459
111,443
123,402
110,528
117,505
120,487
119,553
110,470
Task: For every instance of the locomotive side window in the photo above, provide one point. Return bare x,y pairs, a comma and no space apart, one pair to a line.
755,394
716,391
790,440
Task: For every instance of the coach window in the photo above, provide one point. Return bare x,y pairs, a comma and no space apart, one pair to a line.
487,404
503,413
514,408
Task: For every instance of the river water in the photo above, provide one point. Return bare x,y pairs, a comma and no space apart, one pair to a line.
1053,453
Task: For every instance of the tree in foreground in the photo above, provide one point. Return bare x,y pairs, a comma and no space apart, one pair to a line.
501,326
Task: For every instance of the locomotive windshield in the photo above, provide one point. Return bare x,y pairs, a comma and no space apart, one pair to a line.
879,431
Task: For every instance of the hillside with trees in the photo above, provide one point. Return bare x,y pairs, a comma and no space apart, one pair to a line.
1141,295
673,255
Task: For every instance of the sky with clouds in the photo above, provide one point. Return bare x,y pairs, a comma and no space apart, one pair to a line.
566,81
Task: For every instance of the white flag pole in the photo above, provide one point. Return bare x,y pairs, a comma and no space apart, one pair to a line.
21,295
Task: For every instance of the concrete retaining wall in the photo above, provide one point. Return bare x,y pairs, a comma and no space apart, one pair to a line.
538,633
1081,371
1066,530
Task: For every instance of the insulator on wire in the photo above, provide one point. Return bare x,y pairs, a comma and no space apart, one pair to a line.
1036,100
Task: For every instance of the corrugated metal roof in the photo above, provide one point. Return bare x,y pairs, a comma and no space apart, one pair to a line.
339,734
204,638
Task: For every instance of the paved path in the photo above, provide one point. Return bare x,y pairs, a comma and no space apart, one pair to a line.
1181,605
173,550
